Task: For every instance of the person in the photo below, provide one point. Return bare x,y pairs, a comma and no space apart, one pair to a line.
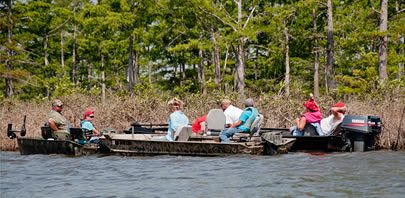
330,123
60,127
231,112
87,126
312,116
176,119
244,122
199,125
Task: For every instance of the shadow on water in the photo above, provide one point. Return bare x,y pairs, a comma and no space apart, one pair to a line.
369,174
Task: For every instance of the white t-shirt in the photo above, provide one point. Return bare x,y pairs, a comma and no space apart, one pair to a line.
232,114
328,124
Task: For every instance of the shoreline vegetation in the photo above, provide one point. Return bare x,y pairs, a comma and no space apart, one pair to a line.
150,107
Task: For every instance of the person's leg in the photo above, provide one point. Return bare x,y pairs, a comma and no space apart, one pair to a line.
296,132
226,133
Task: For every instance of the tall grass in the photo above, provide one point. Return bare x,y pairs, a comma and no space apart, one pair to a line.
150,107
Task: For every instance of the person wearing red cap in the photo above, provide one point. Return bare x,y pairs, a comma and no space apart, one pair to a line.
330,123
313,116
198,126
87,124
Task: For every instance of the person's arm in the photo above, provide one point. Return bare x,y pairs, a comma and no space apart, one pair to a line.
96,131
238,123
53,125
301,123
338,112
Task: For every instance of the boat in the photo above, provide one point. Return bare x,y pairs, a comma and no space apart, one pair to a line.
355,133
192,145
47,145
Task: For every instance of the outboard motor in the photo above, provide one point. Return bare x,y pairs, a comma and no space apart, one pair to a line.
11,134
361,130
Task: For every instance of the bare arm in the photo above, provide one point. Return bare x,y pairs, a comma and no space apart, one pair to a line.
53,126
338,112
96,131
301,123
238,123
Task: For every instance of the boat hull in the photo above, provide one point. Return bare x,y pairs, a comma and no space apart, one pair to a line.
189,148
29,146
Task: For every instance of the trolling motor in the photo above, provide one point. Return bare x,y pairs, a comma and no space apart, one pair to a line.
11,134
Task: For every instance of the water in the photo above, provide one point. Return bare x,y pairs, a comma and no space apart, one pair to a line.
369,174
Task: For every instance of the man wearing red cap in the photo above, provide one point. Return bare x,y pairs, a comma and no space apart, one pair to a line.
330,123
87,124
313,116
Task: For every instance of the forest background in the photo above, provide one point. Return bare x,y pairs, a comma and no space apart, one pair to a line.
126,58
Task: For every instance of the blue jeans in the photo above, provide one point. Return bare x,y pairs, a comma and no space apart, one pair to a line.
296,132
226,133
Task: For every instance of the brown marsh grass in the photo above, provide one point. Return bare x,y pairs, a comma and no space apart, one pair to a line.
120,111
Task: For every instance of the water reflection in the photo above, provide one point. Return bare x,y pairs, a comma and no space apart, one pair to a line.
370,174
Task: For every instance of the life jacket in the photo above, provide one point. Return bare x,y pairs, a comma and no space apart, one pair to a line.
251,118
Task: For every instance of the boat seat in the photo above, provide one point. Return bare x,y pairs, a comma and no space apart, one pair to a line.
254,129
46,132
215,122
309,130
183,133
77,134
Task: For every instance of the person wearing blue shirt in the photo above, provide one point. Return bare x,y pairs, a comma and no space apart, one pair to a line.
87,125
176,119
243,124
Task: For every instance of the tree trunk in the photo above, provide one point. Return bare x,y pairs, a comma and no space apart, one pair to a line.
239,84
240,69
115,67
103,81
382,49
287,61
88,75
257,60
401,64
316,61
62,58
9,67
149,67
216,60
329,70
201,72
130,69
74,69
46,49
135,67
183,68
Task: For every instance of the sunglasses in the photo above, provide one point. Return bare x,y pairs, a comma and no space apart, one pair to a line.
91,116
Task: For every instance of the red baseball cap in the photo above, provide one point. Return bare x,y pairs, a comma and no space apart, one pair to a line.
310,104
87,113
339,104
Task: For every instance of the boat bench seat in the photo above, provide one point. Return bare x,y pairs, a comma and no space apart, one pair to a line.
215,122
183,133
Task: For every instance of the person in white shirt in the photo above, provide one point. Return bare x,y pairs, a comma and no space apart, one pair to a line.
231,112
330,123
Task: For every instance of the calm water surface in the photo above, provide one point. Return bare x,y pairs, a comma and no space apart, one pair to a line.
370,174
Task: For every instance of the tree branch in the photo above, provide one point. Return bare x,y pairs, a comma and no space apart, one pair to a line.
372,7
234,29
50,32
250,16
227,13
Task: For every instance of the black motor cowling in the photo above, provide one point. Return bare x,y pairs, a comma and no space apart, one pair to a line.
362,124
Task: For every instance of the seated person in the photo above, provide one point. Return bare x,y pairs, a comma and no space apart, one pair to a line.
330,123
313,116
57,122
199,125
87,126
176,119
231,112
243,124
